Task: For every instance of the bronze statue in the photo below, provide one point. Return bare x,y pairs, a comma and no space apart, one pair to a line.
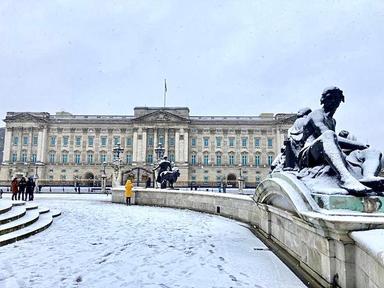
312,141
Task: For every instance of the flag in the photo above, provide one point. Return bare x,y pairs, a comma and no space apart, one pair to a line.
165,85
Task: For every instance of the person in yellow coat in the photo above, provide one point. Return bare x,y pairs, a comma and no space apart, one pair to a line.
128,192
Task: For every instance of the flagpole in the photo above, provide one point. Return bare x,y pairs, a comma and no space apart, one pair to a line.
165,91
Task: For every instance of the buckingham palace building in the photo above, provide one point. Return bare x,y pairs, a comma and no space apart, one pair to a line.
207,149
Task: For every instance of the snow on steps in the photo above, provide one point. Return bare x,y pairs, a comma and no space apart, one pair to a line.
19,220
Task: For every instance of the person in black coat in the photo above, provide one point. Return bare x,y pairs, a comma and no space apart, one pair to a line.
30,189
22,185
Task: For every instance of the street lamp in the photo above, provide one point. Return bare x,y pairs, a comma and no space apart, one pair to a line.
241,179
104,179
159,150
117,150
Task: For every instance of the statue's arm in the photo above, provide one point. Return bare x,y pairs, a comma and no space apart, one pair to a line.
350,144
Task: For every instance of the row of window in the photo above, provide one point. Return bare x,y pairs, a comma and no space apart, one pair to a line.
232,141
116,140
25,140
231,160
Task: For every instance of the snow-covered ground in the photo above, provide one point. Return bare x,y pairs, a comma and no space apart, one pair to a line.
95,243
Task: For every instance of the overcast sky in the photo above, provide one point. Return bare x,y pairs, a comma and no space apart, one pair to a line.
219,57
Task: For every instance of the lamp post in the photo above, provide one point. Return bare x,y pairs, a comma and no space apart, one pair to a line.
36,178
117,150
159,150
104,179
241,179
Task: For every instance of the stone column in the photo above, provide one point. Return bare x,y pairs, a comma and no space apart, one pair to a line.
155,143
30,138
135,147
7,145
144,145
43,145
186,145
166,152
177,146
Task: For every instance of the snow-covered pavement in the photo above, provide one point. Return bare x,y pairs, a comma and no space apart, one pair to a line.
95,243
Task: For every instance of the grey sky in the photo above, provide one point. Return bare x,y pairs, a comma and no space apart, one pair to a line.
219,57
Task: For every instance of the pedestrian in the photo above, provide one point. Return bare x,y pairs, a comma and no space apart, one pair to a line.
128,191
30,189
1,193
148,183
14,188
22,185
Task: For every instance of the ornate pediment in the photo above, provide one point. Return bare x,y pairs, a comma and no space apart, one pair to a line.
27,117
161,116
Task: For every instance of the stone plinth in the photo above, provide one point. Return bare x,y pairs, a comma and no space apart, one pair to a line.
118,195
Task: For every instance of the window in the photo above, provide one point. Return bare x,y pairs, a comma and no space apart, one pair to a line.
103,141
65,158
116,140
172,141
244,159
65,141
23,157
193,142
14,157
53,140
257,142
206,141
270,160
258,180
270,142
90,158
231,159
257,160
35,140
129,141
63,177
78,140
77,158
161,140
103,157
218,142
149,158
25,140
193,159
129,159
150,141
218,160
34,158
52,157
90,141
206,159
15,140
172,157
206,179
244,142
231,141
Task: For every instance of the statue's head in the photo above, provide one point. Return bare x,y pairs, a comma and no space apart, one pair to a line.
331,98
165,157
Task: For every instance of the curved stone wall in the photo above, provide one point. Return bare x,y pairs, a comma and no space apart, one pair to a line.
320,243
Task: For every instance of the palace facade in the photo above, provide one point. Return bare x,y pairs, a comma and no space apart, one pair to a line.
207,149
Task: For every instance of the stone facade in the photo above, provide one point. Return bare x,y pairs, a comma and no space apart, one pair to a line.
207,149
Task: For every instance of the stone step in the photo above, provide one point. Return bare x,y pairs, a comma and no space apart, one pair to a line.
43,210
18,203
55,212
13,214
44,221
28,219
30,205
5,206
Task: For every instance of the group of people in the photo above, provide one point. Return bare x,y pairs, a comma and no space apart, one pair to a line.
22,189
